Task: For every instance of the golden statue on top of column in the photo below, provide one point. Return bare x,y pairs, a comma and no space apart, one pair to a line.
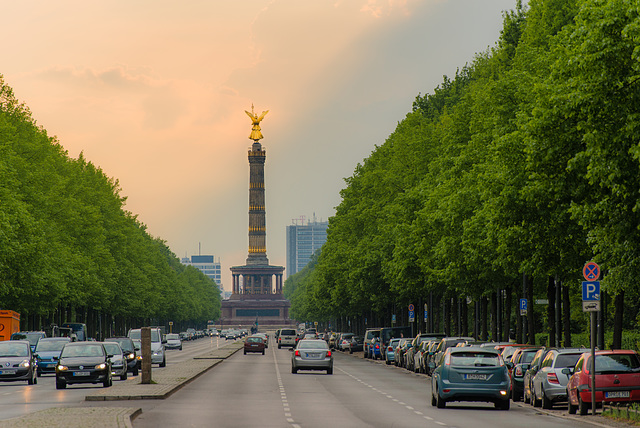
255,120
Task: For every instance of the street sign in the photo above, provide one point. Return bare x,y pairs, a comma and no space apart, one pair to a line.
523,306
590,296
412,316
426,312
411,307
393,318
591,271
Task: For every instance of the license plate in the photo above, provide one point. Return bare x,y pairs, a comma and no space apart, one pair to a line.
312,355
81,373
8,371
473,376
617,394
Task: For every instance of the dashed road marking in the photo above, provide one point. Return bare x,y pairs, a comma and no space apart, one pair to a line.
283,395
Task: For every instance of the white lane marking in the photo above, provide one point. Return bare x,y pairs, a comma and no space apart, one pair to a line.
283,395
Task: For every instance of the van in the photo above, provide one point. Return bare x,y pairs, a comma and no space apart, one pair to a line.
371,338
157,344
287,337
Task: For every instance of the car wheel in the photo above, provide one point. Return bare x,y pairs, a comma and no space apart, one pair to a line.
388,362
534,399
124,376
515,396
245,352
279,346
134,372
571,408
583,407
546,403
60,384
106,383
503,404
294,370
433,400
32,378
440,402
263,352
39,374
163,363
351,351
330,370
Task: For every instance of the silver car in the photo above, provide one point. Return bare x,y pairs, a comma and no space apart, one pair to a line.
118,362
312,354
549,383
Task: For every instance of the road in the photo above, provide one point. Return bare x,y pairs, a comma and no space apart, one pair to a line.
260,391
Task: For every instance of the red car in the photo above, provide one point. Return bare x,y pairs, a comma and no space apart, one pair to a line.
254,344
617,380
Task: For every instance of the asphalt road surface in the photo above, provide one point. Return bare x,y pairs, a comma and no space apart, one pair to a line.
260,391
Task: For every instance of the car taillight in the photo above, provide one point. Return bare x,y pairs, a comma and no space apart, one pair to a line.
328,353
552,378
390,349
297,353
377,346
518,371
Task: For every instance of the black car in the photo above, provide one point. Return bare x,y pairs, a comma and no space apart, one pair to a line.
130,352
356,344
83,362
17,361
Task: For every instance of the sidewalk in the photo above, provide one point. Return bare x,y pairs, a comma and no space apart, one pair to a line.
166,382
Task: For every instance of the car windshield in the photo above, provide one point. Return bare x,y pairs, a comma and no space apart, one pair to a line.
31,337
125,344
112,348
8,349
312,344
82,351
136,335
617,363
475,358
566,360
173,336
51,345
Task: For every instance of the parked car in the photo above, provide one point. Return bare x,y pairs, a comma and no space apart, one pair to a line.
444,344
118,359
333,338
550,383
47,353
520,362
369,341
83,362
312,354
345,341
617,379
390,350
418,356
356,344
471,374
400,352
388,333
130,353
254,343
287,337
265,337
430,356
157,345
173,341
529,374
17,362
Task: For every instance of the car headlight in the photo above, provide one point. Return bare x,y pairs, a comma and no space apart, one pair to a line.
139,357
25,363
131,356
101,366
61,368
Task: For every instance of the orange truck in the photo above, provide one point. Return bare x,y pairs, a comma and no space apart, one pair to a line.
9,324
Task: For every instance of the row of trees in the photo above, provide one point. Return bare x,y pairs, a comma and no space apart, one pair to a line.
70,251
499,185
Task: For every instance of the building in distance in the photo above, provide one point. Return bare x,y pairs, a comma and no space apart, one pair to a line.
304,238
208,265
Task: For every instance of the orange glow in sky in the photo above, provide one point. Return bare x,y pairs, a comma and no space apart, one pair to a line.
154,93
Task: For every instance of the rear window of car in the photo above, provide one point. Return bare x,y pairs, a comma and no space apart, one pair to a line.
288,333
475,359
527,356
617,363
566,360
255,339
313,344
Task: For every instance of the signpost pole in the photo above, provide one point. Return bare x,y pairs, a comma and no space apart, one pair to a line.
593,363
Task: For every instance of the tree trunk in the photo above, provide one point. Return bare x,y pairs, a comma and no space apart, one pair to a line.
507,313
447,315
494,314
617,320
464,315
566,319
483,319
531,314
551,311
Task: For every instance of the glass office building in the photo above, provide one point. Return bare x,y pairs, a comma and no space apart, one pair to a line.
303,240
208,265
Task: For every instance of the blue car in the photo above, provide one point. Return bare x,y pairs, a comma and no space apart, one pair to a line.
47,353
390,350
471,374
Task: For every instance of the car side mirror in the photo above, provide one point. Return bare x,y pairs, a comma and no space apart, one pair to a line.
109,355
509,364
567,371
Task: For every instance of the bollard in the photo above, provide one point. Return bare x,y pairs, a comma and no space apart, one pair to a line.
145,347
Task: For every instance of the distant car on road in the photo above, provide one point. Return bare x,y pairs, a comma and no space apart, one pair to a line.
118,359
312,354
17,362
254,343
83,362
173,341
287,337
130,353
47,353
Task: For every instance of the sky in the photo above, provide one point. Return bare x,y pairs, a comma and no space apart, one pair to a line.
154,92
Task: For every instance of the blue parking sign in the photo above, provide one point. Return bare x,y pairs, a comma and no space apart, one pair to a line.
590,291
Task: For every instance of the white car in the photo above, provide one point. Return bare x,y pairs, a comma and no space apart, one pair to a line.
287,337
